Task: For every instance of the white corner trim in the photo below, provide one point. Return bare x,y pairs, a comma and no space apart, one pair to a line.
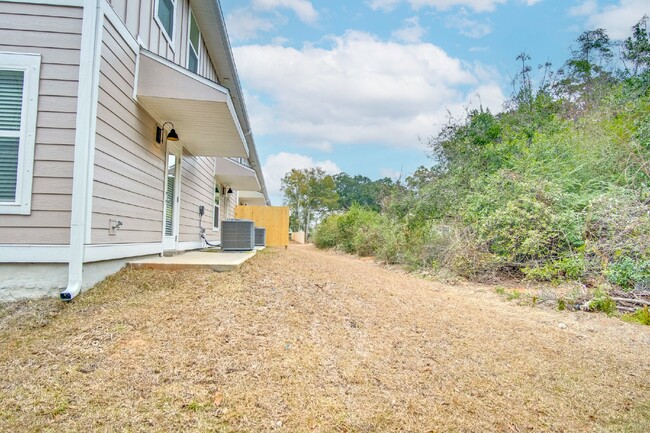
75,3
121,28
98,253
34,253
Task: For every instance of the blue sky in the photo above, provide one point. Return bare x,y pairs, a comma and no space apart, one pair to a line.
360,86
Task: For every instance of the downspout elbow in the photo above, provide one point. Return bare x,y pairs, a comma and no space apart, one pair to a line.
73,289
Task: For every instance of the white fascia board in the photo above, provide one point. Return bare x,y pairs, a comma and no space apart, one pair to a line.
121,28
34,253
99,253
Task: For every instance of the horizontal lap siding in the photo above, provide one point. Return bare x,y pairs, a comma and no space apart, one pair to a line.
197,189
129,167
138,16
54,32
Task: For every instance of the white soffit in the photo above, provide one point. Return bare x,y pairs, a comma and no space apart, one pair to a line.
236,175
252,198
201,110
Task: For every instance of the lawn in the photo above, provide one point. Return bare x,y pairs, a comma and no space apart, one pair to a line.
302,340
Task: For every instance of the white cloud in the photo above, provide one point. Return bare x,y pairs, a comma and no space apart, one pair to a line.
361,90
276,166
466,26
411,31
587,7
476,5
302,8
619,19
383,5
244,25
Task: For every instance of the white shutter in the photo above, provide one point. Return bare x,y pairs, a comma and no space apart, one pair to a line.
11,102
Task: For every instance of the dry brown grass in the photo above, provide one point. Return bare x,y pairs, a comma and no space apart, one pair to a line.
304,340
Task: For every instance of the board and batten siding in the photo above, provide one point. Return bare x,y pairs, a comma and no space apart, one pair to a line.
129,174
197,189
138,16
54,32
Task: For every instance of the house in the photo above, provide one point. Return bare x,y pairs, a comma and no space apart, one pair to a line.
119,121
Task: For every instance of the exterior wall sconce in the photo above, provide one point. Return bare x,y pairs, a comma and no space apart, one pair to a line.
229,190
171,136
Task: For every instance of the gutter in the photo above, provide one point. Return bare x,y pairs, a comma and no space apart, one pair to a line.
91,31
240,104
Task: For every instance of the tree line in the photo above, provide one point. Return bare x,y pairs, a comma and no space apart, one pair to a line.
312,194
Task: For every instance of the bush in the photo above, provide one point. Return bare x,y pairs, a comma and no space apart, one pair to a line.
602,302
641,316
627,273
393,243
326,234
567,268
522,220
358,230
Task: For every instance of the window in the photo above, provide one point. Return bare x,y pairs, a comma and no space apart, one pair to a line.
193,48
217,202
19,74
165,13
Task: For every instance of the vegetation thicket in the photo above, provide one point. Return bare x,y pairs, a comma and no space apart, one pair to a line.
555,187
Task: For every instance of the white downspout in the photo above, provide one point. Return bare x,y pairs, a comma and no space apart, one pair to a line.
89,58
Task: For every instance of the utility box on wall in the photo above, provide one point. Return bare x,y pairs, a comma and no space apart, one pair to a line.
275,219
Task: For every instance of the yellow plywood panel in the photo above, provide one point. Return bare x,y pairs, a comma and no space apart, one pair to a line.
275,219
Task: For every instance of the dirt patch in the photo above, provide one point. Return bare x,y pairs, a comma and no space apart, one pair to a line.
304,340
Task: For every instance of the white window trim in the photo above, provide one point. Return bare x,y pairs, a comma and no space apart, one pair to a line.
169,38
31,65
189,42
216,229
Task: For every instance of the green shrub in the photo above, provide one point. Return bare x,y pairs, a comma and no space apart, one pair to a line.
352,222
602,302
567,268
628,272
368,237
641,316
393,243
326,233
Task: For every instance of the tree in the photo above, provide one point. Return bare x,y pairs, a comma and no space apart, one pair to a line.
361,190
586,72
310,194
636,49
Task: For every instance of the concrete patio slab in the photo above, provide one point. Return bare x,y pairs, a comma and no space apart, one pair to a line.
216,260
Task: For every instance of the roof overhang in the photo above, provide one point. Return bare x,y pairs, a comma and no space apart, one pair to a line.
202,111
210,18
252,198
236,175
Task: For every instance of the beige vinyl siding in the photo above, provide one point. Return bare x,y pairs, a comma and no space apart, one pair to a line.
138,16
230,205
197,189
129,166
55,33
